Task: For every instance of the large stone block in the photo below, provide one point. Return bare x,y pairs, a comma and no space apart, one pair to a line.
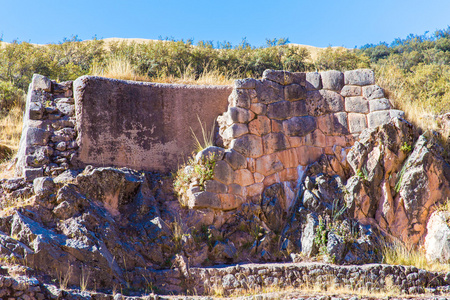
278,76
255,189
234,131
372,92
333,124
32,173
259,126
269,164
356,104
235,159
239,115
379,104
377,118
299,126
332,80
323,101
142,125
269,91
299,78
223,172
356,122
248,145
36,111
240,98
288,158
37,136
307,155
294,92
247,83
313,81
203,200
279,110
259,108
215,186
351,91
315,138
360,77
298,108
210,152
40,82
243,177
274,142
395,113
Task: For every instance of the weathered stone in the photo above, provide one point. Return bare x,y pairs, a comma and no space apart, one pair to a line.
274,142
235,159
248,145
395,113
309,247
299,126
223,172
269,91
315,138
36,111
260,126
259,108
294,92
332,80
66,109
288,158
247,83
31,173
377,118
333,124
278,76
204,200
323,101
356,104
209,153
279,110
240,98
243,177
255,189
335,247
238,115
43,186
360,77
37,136
298,108
299,78
356,122
437,240
351,91
215,186
379,104
276,125
41,83
230,201
234,131
268,164
313,81
371,92
308,154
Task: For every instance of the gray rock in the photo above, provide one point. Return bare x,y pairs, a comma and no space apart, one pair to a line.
294,92
371,92
41,83
360,77
309,248
248,145
247,83
279,110
66,108
214,186
43,186
37,137
335,247
298,108
332,80
31,173
209,152
313,81
356,104
281,77
379,104
36,111
269,91
351,91
223,172
235,159
299,126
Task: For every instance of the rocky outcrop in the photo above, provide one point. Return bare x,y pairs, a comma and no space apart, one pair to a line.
400,178
437,240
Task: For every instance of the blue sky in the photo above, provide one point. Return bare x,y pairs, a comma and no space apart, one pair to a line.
319,23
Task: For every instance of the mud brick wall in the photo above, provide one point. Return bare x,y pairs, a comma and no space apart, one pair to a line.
277,126
48,142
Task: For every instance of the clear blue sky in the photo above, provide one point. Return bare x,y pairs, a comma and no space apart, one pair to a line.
319,23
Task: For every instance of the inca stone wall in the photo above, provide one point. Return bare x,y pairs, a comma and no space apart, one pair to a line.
48,143
276,126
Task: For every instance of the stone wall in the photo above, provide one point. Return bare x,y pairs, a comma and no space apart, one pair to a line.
48,143
276,126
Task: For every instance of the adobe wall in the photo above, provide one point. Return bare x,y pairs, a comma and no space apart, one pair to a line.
275,127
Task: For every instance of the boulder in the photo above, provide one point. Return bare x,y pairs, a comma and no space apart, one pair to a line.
437,240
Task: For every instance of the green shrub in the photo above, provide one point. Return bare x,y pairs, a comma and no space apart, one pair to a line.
10,96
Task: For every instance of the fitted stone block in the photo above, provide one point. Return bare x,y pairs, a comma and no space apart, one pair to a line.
351,91
379,104
274,142
332,80
234,131
278,76
235,159
248,145
333,124
307,154
299,126
395,113
356,122
258,108
255,189
215,186
313,81
356,104
298,108
377,118
294,92
243,177
269,91
279,110
247,83
260,126
240,98
268,164
223,172
239,115
315,138
288,158
372,92
360,77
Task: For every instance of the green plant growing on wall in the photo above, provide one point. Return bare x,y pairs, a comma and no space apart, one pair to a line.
406,147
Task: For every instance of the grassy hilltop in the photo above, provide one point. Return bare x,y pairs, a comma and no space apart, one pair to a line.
414,71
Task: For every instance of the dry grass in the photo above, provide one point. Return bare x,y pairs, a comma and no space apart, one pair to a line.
120,68
10,132
397,253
